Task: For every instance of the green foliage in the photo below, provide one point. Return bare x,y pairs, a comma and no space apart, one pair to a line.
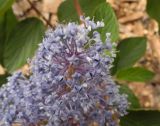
1,39
141,118
67,11
130,51
97,8
132,99
105,12
22,43
7,23
10,22
135,74
5,5
153,9
3,79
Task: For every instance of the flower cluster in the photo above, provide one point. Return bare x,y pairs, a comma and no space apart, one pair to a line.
70,84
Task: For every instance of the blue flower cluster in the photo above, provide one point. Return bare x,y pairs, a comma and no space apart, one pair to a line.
70,84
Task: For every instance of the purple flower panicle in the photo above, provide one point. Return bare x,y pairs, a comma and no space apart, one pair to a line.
70,83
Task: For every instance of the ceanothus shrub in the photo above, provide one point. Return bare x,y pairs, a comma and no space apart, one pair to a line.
70,83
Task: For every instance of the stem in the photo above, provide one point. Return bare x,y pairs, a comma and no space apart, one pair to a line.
39,13
78,8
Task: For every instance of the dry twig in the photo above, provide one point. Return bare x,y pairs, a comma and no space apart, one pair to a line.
39,13
78,8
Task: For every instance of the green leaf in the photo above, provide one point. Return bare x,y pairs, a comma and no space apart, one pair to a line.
10,22
153,9
137,74
67,11
22,43
7,22
3,79
141,118
130,51
2,39
132,99
105,12
97,8
5,5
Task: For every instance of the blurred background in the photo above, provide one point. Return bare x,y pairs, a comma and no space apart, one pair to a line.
133,21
